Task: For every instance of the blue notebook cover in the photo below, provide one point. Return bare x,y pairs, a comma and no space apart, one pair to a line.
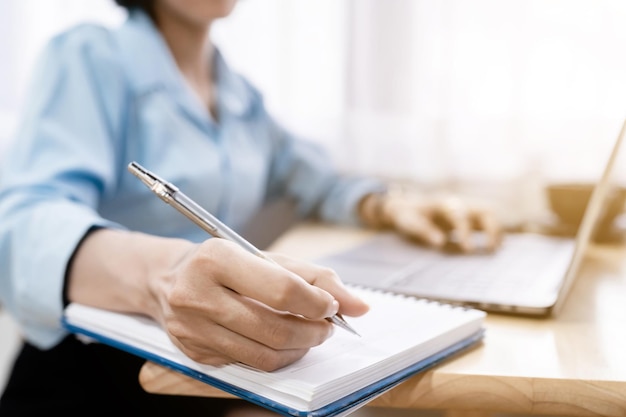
399,337
337,408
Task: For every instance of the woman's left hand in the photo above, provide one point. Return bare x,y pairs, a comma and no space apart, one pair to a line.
443,222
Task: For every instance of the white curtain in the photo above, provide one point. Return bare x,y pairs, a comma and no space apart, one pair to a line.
438,92
455,90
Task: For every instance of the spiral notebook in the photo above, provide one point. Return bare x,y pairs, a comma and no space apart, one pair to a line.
400,336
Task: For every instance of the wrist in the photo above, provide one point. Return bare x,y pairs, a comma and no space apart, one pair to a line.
372,210
161,272
125,271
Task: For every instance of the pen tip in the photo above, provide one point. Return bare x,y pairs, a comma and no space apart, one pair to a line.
341,322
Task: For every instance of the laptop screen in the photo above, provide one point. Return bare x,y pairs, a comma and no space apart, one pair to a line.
593,213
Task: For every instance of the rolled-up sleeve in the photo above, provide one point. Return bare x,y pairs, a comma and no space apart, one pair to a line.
308,174
59,165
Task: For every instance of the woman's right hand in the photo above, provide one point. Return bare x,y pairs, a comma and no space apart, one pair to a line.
221,304
217,302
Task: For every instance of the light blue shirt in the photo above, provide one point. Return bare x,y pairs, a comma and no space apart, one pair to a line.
102,98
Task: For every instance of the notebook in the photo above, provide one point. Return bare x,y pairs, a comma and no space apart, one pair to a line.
400,336
531,274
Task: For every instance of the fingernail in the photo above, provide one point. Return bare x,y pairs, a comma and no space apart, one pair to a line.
334,308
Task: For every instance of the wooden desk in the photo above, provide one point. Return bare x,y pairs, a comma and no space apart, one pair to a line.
572,365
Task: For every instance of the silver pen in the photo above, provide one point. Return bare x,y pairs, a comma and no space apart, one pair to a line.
169,193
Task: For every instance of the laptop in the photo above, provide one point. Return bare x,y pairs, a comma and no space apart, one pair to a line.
530,274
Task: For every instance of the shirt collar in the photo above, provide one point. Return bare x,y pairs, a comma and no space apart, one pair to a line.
235,95
152,67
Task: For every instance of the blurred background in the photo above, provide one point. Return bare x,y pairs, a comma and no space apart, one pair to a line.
494,98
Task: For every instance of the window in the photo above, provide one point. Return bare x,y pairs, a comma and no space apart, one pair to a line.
438,92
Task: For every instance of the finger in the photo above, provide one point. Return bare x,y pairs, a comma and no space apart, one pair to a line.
267,282
328,280
457,220
487,222
256,321
228,346
414,225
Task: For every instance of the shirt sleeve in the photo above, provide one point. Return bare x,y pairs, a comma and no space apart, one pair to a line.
304,171
60,163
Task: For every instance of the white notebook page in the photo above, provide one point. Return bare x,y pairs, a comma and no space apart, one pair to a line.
397,332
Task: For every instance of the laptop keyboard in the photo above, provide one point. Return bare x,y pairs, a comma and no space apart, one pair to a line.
524,263
517,266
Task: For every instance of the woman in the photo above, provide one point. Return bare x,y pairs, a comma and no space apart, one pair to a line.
76,226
